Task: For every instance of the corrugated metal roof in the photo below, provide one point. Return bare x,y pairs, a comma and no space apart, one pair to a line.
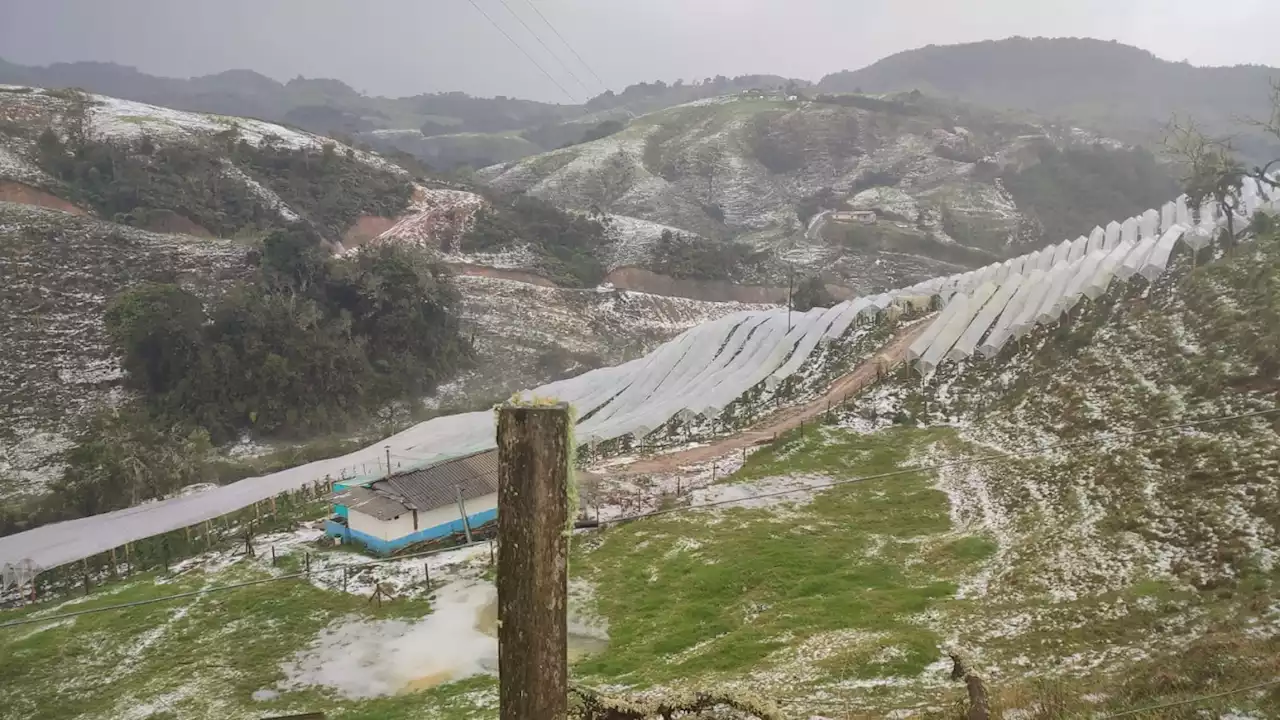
437,485
370,502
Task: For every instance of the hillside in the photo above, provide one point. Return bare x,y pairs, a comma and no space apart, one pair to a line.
99,195
1119,90
1135,567
952,186
445,130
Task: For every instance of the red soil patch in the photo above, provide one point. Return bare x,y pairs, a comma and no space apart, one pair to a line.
16,192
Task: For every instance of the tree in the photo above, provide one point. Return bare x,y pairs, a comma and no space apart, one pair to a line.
157,329
811,293
1211,168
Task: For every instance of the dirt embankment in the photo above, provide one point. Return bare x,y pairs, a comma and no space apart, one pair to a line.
367,227
889,356
16,192
524,276
641,280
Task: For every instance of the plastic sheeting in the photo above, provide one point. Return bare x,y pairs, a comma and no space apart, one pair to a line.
1112,236
706,368
968,342
1003,328
1156,263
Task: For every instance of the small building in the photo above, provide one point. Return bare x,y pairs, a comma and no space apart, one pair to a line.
868,217
416,505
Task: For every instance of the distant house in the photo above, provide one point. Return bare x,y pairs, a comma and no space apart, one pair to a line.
416,505
862,216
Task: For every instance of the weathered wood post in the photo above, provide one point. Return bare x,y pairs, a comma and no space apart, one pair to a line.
533,522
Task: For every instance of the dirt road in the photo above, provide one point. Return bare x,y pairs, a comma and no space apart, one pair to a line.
887,358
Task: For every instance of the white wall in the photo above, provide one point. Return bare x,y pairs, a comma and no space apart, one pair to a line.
381,529
403,525
449,513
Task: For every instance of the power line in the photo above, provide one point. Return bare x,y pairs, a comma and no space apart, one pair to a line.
1190,701
550,52
585,64
522,50
949,465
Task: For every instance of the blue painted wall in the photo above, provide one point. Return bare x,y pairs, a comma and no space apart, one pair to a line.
386,547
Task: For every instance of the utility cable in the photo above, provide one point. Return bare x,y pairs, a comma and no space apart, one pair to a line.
585,64
524,52
546,47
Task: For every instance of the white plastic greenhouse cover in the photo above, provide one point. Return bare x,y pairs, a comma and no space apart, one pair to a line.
1149,224
1046,258
1049,311
968,341
1075,286
706,368
1003,328
947,337
1107,270
1113,235
1129,230
922,343
756,355
1096,238
1158,260
1182,213
1134,260
805,347
1078,249
852,310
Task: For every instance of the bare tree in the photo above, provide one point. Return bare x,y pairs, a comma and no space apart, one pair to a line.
1269,126
1212,171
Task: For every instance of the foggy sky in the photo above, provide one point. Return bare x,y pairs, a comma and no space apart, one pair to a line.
405,47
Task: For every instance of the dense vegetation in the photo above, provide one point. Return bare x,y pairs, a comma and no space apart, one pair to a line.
309,345
680,256
565,245
1070,191
811,293
148,184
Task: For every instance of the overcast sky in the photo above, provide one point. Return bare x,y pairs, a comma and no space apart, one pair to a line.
405,47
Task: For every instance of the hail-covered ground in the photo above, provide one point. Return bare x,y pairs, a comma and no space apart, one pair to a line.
740,166
832,571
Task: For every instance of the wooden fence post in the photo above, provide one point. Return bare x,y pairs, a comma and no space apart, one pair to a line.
533,521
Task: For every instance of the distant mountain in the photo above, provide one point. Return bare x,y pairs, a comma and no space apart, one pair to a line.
444,130
1121,90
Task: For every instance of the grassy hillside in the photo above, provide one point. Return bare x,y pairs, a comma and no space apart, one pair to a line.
944,179
1120,90
1122,572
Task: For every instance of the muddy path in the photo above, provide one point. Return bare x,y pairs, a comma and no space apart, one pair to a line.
885,359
